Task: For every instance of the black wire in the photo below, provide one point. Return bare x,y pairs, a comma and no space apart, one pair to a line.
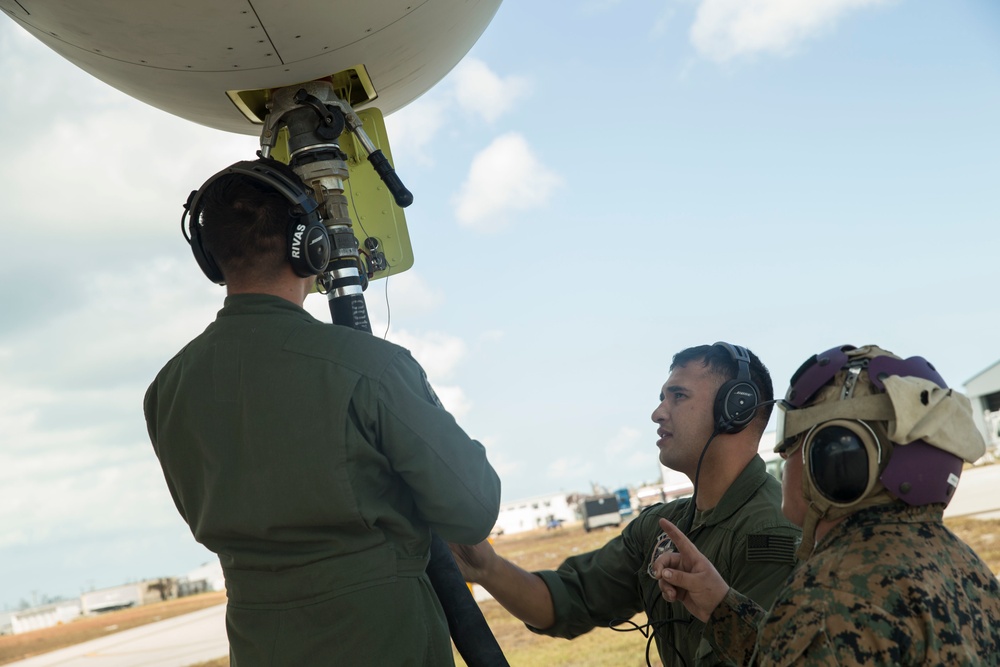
688,521
649,631
689,517
388,308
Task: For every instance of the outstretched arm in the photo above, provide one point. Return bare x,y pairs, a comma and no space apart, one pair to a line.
520,592
687,576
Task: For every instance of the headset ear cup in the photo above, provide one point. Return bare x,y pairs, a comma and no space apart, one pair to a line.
308,243
842,459
308,246
737,400
735,406
318,249
204,258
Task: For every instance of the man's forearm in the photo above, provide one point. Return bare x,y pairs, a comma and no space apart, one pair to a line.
521,593
734,626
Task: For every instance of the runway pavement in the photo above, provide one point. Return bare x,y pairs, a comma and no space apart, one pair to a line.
176,642
978,494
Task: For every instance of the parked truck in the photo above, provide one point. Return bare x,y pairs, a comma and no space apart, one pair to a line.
602,510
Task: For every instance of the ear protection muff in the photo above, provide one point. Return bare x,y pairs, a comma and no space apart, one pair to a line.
308,242
737,400
841,460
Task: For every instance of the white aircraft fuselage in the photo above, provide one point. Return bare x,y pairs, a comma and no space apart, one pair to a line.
193,58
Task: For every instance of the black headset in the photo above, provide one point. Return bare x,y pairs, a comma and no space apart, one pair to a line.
308,246
737,400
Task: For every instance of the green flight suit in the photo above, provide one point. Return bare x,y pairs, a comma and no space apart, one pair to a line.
315,460
746,537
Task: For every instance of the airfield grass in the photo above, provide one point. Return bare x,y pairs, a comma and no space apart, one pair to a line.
533,550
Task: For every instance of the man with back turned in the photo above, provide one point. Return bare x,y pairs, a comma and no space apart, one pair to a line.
314,459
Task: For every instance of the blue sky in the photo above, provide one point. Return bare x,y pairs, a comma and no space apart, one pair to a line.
598,185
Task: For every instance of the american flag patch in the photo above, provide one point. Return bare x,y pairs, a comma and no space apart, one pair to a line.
772,548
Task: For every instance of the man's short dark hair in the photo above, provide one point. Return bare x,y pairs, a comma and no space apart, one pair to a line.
721,363
245,223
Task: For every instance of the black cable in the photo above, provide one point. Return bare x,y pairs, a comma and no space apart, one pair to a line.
649,631
472,635
688,521
689,518
388,309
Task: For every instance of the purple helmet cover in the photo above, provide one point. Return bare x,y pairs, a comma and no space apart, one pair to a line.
921,474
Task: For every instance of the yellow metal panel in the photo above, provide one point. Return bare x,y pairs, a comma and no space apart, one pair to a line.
373,210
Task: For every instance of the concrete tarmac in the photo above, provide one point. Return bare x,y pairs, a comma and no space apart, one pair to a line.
978,494
176,642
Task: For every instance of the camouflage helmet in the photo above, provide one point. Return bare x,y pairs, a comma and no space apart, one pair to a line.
873,427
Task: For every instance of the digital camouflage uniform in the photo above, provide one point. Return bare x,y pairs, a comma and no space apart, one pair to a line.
745,536
315,460
889,585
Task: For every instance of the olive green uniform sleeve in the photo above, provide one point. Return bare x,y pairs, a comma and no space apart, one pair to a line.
455,489
596,588
745,536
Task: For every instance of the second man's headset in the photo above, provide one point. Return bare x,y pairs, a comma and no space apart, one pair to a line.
737,400
308,246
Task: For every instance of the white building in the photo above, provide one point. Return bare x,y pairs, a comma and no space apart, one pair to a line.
983,390
44,616
532,513
208,577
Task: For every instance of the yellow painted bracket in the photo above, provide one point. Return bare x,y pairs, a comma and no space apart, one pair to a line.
373,210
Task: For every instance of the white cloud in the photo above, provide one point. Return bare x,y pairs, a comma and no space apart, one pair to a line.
79,489
504,178
411,130
573,469
662,21
122,325
724,29
140,162
623,442
479,90
439,354
472,87
632,450
591,7
505,466
75,459
408,296
95,139
454,400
